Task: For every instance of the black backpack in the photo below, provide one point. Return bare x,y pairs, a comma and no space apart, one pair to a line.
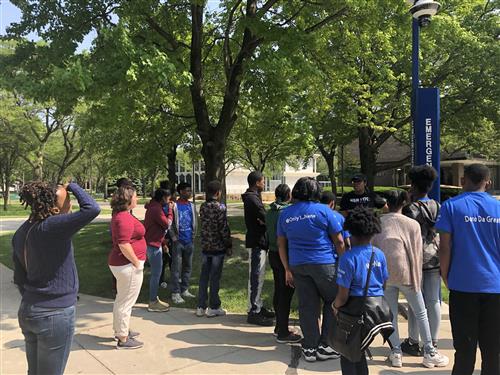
426,214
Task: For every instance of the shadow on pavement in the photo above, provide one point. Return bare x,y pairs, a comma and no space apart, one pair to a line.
85,341
221,336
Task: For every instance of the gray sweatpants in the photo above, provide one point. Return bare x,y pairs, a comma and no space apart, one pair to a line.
315,283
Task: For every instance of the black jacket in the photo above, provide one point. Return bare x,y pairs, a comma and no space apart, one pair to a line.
255,212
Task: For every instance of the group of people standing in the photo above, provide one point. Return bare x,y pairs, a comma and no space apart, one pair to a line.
327,256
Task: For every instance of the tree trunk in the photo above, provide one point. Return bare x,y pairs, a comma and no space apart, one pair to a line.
38,165
105,187
213,155
214,138
330,163
171,167
154,177
367,155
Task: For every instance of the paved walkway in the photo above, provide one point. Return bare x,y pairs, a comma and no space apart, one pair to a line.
178,342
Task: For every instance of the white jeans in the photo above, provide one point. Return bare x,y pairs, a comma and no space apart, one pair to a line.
128,287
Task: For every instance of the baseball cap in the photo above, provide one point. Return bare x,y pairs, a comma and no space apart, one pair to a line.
359,177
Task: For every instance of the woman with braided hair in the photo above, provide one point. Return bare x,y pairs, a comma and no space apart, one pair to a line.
45,271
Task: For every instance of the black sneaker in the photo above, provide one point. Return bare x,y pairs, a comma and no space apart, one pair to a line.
267,313
275,332
325,352
309,354
259,320
412,349
290,339
129,344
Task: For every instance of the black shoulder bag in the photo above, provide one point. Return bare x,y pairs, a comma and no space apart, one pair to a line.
346,335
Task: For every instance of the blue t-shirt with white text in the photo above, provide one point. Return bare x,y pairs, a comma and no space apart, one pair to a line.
353,271
185,222
307,227
473,220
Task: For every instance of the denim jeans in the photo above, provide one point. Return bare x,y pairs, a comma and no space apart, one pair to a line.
211,272
315,283
48,334
431,289
182,261
416,302
256,275
155,259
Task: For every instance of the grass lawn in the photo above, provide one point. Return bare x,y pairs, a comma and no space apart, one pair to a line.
92,245
17,210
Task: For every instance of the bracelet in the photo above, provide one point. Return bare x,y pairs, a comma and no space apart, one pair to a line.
334,307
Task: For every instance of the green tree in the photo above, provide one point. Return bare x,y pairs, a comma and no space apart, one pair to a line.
214,46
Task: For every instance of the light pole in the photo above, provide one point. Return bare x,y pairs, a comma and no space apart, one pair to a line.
424,101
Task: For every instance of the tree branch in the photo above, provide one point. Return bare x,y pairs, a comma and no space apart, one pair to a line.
327,20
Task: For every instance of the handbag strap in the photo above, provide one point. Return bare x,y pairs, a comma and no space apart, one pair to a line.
369,273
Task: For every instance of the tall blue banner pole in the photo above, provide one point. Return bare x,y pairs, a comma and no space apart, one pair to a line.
427,145
414,84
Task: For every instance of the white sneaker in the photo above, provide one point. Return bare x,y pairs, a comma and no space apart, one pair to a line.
396,359
211,313
164,285
186,294
435,359
176,298
200,312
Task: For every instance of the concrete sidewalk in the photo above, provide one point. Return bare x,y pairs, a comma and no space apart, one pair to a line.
178,342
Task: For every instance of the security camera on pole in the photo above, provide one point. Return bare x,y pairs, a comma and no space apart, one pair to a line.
424,101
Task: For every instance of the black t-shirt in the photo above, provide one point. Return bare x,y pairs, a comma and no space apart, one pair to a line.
352,200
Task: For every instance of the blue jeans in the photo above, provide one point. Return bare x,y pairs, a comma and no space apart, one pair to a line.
48,333
431,289
155,259
416,302
211,272
182,261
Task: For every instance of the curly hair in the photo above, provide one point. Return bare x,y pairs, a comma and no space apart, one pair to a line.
41,197
122,198
362,222
422,177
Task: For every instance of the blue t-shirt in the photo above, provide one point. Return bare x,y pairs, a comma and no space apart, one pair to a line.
353,270
473,220
345,233
307,227
185,222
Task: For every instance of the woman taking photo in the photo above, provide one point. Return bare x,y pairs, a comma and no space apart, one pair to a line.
45,271
156,223
308,234
401,242
126,262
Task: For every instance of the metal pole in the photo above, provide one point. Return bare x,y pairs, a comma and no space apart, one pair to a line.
414,84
